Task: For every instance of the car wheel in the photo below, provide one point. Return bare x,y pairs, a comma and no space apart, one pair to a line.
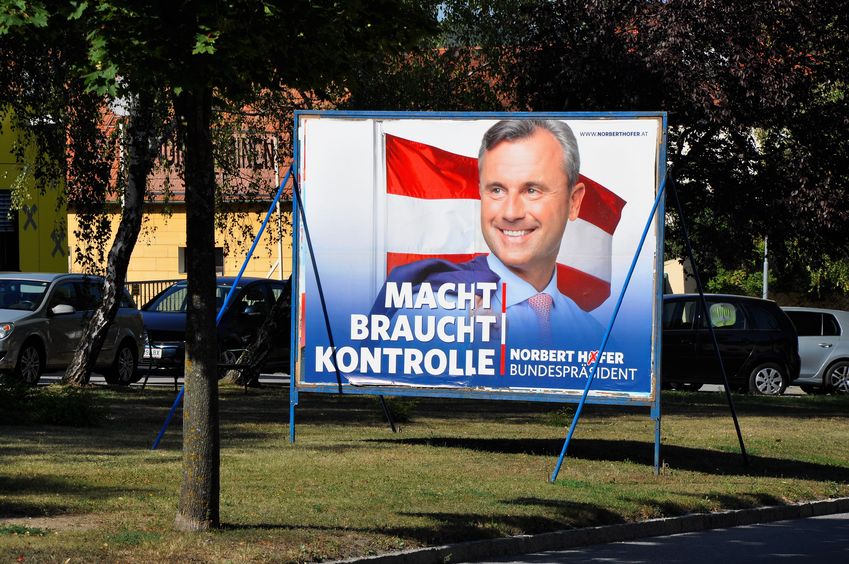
30,363
124,367
767,380
838,377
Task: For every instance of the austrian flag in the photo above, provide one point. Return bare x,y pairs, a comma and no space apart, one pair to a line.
433,211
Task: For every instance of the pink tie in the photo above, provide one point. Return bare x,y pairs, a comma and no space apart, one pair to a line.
541,304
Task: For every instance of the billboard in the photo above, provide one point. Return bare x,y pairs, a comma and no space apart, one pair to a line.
422,269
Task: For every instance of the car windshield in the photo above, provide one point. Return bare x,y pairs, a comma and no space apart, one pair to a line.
173,300
22,294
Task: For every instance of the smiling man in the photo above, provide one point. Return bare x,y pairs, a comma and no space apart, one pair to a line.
529,172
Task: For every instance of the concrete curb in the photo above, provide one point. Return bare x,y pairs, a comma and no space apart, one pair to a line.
559,540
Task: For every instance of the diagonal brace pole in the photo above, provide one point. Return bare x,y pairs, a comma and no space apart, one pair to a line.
606,337
300,202
706,317
227,298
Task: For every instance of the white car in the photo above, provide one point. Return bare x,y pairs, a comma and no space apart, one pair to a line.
42,318
823,347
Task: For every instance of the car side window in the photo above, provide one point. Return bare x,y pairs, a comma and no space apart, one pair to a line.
830,327
253,301
64,294
221,293
172,300
762,318
126,300
807,323
24,295
89,295
679,315
726,315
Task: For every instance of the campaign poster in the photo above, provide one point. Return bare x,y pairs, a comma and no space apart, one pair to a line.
478,252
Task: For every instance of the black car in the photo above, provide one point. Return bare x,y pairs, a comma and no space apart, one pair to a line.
758,343
165,322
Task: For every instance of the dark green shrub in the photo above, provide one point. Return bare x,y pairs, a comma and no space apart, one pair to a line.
21,404
64,405
15,396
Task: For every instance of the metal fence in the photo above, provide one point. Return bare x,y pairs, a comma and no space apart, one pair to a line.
144,290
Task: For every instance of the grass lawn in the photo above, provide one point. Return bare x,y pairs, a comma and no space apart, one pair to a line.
458,470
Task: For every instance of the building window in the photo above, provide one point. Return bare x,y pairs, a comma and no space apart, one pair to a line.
219,260
9,252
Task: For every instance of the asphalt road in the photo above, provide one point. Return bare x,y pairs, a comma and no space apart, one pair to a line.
823,539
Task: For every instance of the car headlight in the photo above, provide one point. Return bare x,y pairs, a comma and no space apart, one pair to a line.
6,329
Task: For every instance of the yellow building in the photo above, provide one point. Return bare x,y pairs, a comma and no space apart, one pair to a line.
160,252
40,233
33,237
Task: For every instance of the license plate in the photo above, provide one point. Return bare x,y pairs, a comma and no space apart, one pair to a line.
152,353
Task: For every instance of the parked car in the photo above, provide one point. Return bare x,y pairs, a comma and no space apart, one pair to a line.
823,347
165,322
757,341
42,318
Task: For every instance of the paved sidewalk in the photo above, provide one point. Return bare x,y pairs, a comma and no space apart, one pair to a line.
487,550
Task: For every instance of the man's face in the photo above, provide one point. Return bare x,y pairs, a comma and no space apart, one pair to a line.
525,204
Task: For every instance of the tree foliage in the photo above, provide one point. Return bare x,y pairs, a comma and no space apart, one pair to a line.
755,95
61,111
201,55
54,118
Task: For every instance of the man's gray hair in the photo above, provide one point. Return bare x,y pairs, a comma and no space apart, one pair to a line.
516,129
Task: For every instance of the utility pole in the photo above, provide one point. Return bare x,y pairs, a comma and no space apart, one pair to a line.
766,270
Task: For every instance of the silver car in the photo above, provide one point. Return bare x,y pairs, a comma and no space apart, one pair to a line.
824,348
42,318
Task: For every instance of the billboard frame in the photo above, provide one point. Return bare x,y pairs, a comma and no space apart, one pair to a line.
608,398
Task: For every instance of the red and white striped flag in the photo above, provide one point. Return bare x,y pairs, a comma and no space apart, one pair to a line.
433,211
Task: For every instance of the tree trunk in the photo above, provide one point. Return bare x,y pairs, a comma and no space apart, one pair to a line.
143,146
258,350
199,495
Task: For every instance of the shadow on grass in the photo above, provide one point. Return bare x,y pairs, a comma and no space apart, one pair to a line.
351,408
726,501
270,404
72,491
676,457
11,509
588,515
45,440
715,404
348,408
458,527
561,514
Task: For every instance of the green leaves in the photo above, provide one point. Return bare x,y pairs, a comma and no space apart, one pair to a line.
18,13
101,80
78,11
205,42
